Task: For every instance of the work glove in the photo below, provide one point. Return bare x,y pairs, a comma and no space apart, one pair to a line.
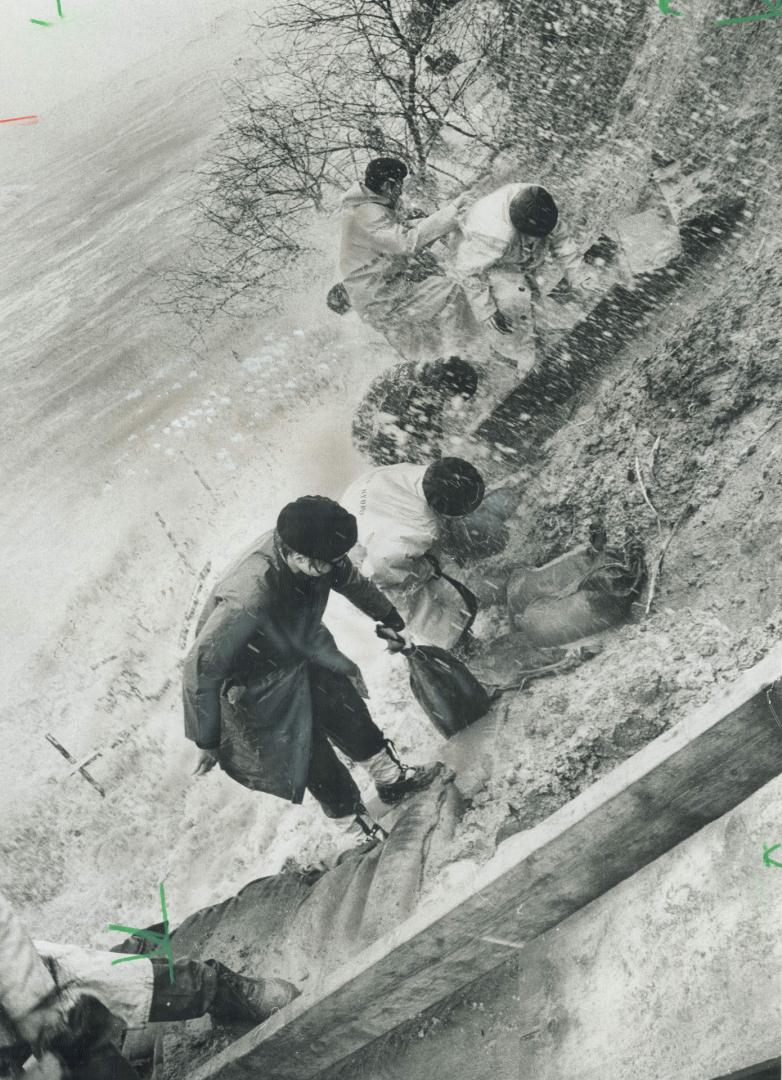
393,620
501,323
398,640
206,761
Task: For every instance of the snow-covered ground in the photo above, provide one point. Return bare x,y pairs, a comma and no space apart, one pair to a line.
133,457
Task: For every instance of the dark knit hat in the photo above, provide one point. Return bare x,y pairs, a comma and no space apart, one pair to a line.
317,527
453,487
381,169
533,212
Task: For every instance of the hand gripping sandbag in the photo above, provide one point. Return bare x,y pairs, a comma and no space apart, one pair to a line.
443,686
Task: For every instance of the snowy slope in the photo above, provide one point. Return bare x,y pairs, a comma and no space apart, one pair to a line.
135,456
132,457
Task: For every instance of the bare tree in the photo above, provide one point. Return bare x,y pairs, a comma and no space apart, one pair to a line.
341,81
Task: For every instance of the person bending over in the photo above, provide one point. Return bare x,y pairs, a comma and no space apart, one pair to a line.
402,512
420,311
58,1002
267,693
403,414
510,254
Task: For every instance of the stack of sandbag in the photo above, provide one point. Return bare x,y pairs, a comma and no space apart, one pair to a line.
581,593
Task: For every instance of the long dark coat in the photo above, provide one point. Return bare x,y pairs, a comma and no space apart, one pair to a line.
246,679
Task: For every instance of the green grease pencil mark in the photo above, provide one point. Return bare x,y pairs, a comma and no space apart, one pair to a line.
768,851
163,941
773,11
43,22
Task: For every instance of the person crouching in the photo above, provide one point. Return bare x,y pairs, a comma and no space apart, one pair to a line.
404,413
402,511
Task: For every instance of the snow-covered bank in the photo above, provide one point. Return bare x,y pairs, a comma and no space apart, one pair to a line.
137,454
133,456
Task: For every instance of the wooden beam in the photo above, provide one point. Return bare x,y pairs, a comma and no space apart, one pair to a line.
766,1070
691,775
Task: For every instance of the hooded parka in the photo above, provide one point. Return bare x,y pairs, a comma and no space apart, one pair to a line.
419,318
247,694
501,270
396,530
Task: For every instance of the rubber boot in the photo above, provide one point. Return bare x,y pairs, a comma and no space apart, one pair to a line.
395,781
239,1000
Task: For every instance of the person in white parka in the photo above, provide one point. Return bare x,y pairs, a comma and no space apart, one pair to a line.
401,512
510,254
421,311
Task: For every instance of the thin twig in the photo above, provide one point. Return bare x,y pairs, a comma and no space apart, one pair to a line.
640,478
580,423
653,456
659,564
769,427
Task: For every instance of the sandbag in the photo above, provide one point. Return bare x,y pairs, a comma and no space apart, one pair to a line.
443,686
446,689
583,592
566,619
442,610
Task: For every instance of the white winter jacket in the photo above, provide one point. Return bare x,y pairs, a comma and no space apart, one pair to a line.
396,525
125,988
375,244
29,1003
489,245
32,972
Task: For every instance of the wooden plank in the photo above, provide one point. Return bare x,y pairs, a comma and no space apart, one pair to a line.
690,775
766,1070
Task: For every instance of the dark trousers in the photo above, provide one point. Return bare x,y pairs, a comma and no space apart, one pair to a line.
190,995
341,717
87,1051
102,1063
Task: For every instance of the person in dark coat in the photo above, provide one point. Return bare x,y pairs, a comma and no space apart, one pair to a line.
266,690
402,415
